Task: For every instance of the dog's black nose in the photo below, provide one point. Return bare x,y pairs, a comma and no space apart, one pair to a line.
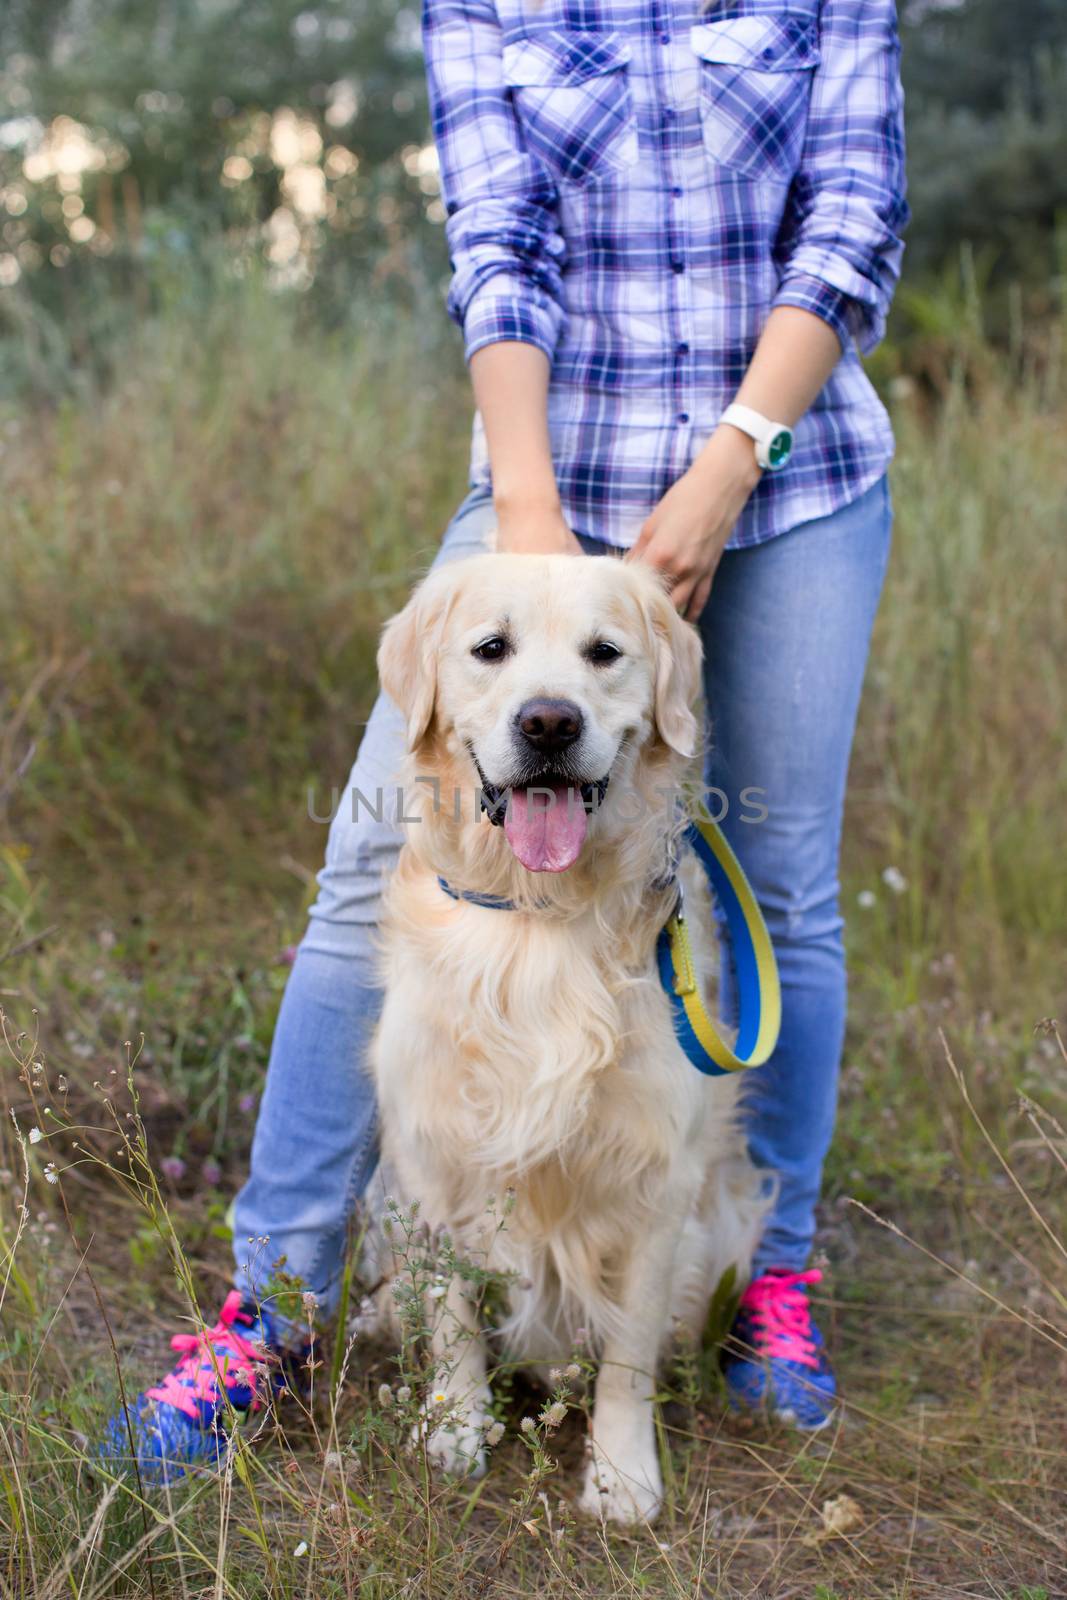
549,725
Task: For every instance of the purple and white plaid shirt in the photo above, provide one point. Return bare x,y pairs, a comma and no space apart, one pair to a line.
632,185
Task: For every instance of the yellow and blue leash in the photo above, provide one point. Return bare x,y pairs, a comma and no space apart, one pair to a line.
759,1001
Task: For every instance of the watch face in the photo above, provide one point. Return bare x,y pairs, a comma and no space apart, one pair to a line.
779,449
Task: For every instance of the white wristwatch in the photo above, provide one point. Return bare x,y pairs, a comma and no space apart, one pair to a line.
774,441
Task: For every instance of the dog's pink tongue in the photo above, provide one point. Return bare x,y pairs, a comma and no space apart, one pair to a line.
545,827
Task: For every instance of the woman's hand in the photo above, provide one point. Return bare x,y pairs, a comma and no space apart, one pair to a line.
685,535
534,531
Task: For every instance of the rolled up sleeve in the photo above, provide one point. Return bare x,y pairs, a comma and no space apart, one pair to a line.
504,242
839,249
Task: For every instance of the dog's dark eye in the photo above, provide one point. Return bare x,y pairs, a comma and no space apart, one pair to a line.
494,649
603,653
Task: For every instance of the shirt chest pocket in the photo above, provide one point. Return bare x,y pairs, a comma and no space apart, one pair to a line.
571,93
755,85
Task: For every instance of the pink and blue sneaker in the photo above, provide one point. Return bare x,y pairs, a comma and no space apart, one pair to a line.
774,1358
226,1374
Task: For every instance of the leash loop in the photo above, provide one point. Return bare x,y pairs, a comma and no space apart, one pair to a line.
759,1002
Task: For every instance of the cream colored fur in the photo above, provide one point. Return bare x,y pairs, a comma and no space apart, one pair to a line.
533,1048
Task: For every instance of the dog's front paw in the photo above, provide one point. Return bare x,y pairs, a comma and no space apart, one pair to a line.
454,1440
623,1490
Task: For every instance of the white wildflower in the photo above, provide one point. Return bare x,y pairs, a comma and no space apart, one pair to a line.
403,1394
895,880
866,898
495,1434
385,1395
36,1135
438,1292
573,1371
527,1425
301,1549
439,1398
554,1414
50,1173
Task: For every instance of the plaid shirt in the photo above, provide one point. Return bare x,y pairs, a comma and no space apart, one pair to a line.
632,185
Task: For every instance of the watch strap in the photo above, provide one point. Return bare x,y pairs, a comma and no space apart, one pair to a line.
754,423
758,427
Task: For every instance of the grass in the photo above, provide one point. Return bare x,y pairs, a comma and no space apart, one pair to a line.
196,563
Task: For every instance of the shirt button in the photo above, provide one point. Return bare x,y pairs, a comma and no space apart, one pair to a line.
677,266
664,38
682,349
668,113
677,193
683,416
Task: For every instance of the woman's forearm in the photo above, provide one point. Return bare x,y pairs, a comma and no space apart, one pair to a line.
511,391
685,535
796,354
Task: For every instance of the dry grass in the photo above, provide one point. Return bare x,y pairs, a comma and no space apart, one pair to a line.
195,567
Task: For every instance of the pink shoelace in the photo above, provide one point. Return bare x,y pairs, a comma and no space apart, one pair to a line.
218,1352
781,1316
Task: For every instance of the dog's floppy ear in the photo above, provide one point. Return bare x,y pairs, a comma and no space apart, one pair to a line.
407,655
678,657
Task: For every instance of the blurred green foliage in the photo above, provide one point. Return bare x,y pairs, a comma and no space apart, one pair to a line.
986,87
149,145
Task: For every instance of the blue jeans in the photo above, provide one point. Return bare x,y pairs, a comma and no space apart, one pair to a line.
786,634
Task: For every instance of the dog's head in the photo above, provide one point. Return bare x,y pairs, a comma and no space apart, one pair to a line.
548,675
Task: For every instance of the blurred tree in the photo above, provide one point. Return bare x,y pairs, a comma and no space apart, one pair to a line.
986,90
141,136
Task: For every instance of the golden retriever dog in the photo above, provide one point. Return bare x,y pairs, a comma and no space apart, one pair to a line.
531,1047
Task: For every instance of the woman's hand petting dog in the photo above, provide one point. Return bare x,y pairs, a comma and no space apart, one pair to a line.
685,535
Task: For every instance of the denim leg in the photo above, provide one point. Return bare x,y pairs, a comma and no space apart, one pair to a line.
786,635
315,1144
